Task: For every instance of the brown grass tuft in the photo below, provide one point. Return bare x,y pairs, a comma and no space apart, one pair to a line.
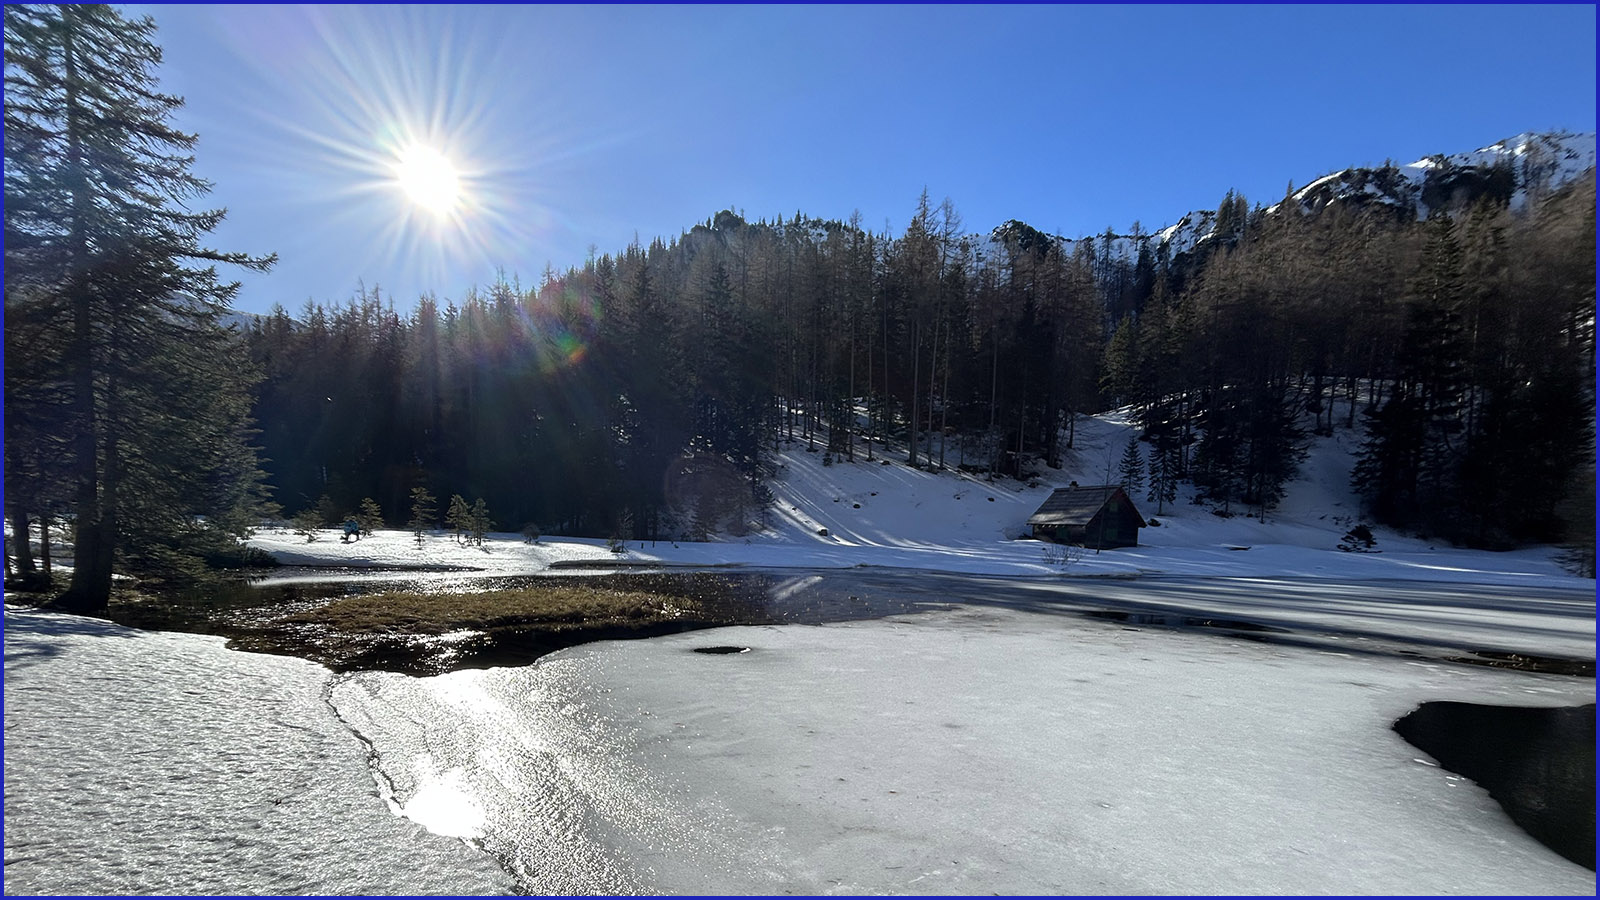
553,605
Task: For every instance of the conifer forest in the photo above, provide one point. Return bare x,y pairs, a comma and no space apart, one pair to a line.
635,395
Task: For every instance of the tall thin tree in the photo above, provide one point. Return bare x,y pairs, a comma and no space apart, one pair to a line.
98,232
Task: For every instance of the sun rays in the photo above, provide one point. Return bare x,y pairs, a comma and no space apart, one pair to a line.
380,128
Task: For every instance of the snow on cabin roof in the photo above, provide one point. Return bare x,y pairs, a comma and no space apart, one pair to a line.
1074,505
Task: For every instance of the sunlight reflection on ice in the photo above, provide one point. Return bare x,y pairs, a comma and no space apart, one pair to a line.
792,586
464,690
443,807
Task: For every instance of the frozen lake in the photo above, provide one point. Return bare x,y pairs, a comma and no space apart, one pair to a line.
1551,626
998,737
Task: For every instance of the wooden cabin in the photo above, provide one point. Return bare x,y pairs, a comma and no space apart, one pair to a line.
1097,516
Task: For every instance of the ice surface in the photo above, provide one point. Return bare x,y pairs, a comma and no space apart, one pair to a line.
142,762
970,751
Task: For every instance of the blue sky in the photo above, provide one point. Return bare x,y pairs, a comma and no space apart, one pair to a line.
580,126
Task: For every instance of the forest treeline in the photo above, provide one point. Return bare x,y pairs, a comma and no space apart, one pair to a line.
634,396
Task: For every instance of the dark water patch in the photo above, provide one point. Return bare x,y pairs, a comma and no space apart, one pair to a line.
1521,662
499,647
1538,763
722,650
1178,620
602,565
1526,662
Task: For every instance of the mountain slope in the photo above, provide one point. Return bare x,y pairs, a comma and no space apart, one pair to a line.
895,515
1520,168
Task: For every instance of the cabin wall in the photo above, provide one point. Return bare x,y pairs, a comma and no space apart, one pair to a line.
1119,530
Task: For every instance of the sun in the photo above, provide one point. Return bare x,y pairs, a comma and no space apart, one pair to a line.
428,178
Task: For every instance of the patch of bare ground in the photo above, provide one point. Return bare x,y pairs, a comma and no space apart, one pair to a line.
552,606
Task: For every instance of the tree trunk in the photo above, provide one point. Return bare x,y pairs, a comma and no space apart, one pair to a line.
850,402
44,545
105,551
1316,393
994,394
944,394
22,537
883,418
868,434
1022,423
994,383
88,592
916,345
933,380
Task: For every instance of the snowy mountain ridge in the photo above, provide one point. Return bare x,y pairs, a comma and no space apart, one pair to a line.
1538,164
1526,166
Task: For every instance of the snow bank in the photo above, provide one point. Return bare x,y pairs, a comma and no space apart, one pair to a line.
965,752
893,515
502,553
148,763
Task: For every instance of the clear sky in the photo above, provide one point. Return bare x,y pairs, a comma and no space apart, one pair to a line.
573,127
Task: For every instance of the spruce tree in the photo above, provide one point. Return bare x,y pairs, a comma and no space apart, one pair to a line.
369,517
307,522
103,255
479,522
1130,472
1120,379
423,513
1163,464
459,516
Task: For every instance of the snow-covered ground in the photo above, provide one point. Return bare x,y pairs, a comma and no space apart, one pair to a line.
147,763
973,750
893,515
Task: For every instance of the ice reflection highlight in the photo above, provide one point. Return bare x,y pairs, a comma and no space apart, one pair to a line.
442,806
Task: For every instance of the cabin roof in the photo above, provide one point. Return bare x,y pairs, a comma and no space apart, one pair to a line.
1076,505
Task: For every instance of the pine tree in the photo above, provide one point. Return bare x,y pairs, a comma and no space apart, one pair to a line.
370,516
479,520
99,242
328,511
1435,353
1130,472
307,522
1220,459
1163,464
1120,381
459,516
423,513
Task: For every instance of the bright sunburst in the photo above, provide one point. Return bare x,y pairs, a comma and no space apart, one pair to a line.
386,123
428,178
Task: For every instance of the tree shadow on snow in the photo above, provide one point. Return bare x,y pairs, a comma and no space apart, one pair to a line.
33,635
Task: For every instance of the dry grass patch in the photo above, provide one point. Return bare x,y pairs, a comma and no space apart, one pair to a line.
555,605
